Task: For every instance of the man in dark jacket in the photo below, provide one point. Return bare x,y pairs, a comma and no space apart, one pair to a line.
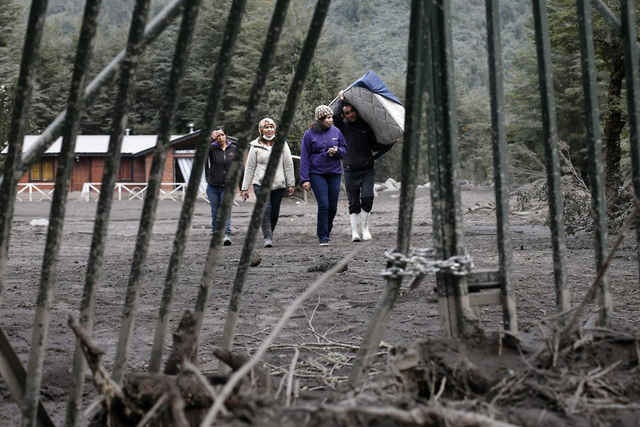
359,162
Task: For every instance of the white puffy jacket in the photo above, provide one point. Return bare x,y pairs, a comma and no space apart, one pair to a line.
257,165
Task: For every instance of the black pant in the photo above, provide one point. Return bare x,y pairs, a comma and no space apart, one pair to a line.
273,204
359,186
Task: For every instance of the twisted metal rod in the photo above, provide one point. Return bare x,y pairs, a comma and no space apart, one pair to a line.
212,109
19,121
150,203
304,64
378,323
93,90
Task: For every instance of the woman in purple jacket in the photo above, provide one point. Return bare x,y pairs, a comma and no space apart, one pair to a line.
323,146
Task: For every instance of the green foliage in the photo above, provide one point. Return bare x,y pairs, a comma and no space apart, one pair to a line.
358,36
10,45
474,136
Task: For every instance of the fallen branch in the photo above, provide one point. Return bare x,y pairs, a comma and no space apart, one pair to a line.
154,410
422,415
93,354
591,293
239,374
185,344
478,207
190,367
292,371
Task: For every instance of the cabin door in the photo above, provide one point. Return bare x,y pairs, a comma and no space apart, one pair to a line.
81,173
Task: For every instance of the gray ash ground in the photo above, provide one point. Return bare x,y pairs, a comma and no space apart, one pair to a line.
338,312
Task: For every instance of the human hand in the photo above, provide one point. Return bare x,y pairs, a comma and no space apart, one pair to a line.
333,150
306,186
341,95
244,194
290,191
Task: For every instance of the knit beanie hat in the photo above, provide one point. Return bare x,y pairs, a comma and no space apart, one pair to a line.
323,111
263,122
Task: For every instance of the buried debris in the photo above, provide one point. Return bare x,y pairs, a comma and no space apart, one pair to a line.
179,397
475,381
256,259
323,266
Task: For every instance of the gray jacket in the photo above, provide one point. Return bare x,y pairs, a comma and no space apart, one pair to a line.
257,165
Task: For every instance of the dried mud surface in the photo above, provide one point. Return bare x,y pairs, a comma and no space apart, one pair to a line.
338,312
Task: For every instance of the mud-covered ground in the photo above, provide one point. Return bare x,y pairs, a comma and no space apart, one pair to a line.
338,312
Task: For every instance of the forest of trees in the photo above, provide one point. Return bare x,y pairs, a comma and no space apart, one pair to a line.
359,35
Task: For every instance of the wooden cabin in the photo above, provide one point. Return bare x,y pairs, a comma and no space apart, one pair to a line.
135,164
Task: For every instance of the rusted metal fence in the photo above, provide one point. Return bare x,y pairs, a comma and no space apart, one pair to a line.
454,283
430,90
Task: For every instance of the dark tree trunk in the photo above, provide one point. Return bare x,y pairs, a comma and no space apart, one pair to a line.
613,125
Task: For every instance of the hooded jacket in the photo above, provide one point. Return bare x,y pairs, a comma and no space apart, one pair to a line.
219,163
256,166
361,140
313,152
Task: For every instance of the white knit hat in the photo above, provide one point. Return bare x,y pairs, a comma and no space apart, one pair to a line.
263,122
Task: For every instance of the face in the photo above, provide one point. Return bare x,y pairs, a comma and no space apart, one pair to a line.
268,130
350,113
327,121
219,136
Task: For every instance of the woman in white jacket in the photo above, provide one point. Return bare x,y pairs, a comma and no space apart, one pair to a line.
255,168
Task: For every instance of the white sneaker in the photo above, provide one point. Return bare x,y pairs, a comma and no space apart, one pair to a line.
227,241
268,243
364,216
355,236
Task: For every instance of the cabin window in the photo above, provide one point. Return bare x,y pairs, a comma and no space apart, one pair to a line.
126,169
43,170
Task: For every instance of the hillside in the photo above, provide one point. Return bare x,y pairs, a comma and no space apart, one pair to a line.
378,31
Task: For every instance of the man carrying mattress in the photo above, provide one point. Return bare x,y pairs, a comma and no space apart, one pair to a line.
358,164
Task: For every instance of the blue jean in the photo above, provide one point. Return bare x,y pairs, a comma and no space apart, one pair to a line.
215,193
326,188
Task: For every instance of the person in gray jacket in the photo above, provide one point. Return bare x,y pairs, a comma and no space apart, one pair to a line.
284,180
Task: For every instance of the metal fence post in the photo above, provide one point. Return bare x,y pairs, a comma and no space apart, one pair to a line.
633,96
552,158
71,127
13,163
378,323
93,90
251,117
500,168
212,109
446,199
596,174
150,203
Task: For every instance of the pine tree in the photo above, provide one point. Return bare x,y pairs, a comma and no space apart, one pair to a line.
12,24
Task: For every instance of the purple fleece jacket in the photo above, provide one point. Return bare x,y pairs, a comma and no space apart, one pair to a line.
313,153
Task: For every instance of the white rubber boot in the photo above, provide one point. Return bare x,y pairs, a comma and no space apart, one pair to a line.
365,225
355,236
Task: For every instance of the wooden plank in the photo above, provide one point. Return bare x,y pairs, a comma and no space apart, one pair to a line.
15,376
482,277
488,298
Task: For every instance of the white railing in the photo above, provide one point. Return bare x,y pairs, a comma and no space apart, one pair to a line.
137,190
35,192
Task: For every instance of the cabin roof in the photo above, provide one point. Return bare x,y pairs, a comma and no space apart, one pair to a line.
132,145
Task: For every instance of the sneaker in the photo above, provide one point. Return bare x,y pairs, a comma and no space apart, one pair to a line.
268,243
227,241
324,243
